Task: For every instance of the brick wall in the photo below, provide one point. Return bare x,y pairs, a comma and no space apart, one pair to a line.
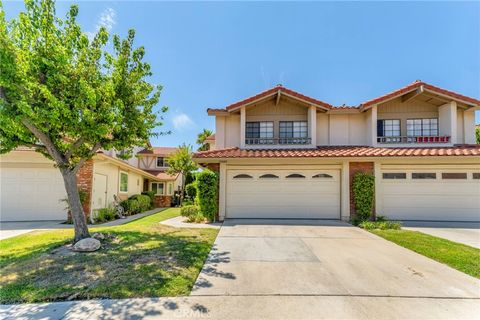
85,183
162,201
354,168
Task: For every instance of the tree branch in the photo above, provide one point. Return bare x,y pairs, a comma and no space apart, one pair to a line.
49,146
94,149
75,145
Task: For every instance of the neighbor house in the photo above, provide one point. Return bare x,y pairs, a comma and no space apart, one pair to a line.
31,188
281,154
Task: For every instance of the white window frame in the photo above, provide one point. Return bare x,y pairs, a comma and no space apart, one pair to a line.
170,188
120,182
158,183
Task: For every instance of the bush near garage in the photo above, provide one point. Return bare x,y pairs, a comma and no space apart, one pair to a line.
207,194
104,215
363,195
193,214
191,190
380,225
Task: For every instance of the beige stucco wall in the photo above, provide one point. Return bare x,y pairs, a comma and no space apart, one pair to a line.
323,132
112,172
460,126
347,129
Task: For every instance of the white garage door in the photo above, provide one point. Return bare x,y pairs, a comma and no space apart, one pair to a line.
431,195
296,194
31,194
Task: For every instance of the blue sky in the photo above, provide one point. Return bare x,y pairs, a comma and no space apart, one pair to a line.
212,54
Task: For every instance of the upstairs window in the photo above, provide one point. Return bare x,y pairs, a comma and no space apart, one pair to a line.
293,129
262,129
388,128
422,127
162,162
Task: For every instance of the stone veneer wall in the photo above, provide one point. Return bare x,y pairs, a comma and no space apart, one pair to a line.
354,168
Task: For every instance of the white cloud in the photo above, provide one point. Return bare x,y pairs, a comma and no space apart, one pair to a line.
182,121
107,19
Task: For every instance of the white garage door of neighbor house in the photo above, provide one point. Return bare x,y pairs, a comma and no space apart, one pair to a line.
431,195
31,194
283,194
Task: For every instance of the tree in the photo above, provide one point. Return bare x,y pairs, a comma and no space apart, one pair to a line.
477,133
202,136
180,162
68,97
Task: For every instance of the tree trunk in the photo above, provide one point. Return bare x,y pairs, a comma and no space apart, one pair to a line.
76,208
182,189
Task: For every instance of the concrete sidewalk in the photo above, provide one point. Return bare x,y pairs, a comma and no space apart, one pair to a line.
12,229
251,307
467,233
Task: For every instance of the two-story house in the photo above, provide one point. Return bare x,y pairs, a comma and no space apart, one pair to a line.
281,154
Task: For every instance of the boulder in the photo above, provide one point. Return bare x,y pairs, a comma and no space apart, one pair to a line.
87,245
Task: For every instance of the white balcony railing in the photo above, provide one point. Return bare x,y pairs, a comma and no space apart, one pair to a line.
409,139
278,141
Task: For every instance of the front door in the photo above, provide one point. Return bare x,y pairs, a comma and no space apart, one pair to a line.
99,191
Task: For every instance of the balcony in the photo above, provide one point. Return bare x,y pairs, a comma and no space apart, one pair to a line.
277,141
410,139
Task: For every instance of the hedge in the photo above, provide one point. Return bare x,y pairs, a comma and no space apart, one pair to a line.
207,189
191,190
136,204
363,194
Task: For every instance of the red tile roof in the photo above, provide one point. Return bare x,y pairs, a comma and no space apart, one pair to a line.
273,90
159,150
414,86
342,151
162,175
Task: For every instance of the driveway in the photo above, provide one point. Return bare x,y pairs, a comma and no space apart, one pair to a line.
463,232
12,229
312,259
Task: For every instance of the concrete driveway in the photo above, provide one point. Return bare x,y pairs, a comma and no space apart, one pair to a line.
265,258
463,232
12,229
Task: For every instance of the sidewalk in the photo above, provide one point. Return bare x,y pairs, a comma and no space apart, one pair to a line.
12,229
251,307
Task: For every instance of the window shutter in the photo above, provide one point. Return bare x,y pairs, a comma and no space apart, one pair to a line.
379,128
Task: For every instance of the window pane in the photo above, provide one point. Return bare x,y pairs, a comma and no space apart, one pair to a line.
417,175
160,188
252,130
123,182
454,175
154,188
395,175
476,175
159,162
266,129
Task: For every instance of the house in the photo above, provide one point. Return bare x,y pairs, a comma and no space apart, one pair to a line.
281,154
31,188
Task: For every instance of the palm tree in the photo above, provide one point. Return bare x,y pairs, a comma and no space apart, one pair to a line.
202,136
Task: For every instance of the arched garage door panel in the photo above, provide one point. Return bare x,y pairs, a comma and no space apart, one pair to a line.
292,194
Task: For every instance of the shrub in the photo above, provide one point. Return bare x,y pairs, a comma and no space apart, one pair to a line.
382,225
363,194
207,188
151,195
187,211
136,204
104,215
191,190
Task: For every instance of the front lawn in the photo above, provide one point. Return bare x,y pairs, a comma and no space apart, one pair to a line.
456,255
142,258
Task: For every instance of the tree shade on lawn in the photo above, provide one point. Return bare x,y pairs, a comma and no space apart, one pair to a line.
142,258
67,96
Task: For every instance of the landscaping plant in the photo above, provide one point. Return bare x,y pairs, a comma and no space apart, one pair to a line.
181,162
363,195
207,194
68,96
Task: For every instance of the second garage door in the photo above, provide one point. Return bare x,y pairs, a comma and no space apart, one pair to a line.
283,194
32,194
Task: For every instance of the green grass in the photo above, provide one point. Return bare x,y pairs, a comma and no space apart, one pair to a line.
456,255
139,259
